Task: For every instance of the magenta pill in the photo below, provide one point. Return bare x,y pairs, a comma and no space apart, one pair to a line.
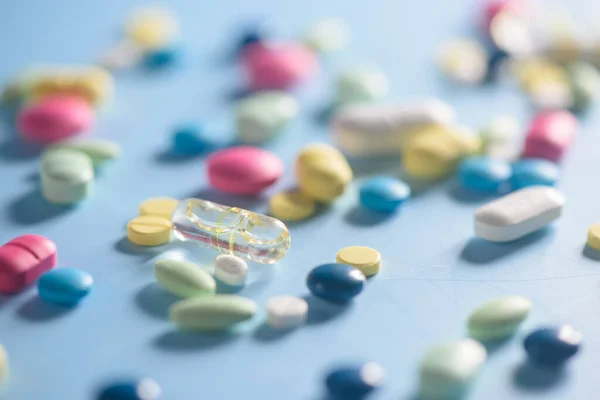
550,134
54,118
243,170
277,65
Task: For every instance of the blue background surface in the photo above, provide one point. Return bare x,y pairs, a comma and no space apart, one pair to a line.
434,273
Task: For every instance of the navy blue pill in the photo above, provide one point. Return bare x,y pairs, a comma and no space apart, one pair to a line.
383,193
484,174
552,347
338,283
534,172
64,286
143,389
354,381
163,57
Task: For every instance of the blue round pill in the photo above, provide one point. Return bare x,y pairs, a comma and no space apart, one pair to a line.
164,57
534,172
142,389
551,347
354,381
383,193
483,173
190,140
64,286
338,283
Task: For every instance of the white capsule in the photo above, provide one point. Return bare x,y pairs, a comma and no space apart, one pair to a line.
373,130
519,213
286,312
231,270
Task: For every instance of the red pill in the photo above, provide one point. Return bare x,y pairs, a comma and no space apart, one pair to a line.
277,65
550,134
23,260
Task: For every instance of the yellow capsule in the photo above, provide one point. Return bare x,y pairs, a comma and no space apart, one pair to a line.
291,206
152,28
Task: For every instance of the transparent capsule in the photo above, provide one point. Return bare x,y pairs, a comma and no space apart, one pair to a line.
232,230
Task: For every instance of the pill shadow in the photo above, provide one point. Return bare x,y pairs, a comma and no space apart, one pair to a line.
463,195
236,94
321,311
388,165
168,156
124,246
495,346
32,208
265,333
216,196
480,251
324,113
591,253
362,217
155,301
182,341
223,288
37,310
532,378
14,149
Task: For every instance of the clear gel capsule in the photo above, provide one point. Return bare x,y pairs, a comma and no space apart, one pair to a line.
232,230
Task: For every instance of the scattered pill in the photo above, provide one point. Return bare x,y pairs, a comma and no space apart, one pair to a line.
67,176
152,28
374,130
54,118
149,230
292,206
518,214
232,230
593,237
124,55
231,270
585,84
138,389
183,279
263,115
216,313
464,61
338,283
64,286
513,34
190,139
3,365
358,85
383,193
499,318
243,170
98,150
163,57
286,312
323,172
277,65
327,35
550,134
502,138
23,260
484,174
366,259
159,206
494,7
448,369
354,381
552,347
551,95
534,172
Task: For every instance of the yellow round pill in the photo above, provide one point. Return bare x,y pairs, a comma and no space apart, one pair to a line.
159,206
149,230
593,239
291,206
366,259
152,28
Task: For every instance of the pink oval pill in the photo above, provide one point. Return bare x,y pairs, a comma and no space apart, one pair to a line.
54,118
550,134
277,65
243,170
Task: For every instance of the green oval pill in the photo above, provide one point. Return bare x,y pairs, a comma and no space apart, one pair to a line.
498,318
67,176
263,115
183,279
215,313
99,150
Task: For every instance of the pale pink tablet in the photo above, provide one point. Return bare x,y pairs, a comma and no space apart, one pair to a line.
23,260
54,118
277,65
243,170
550,134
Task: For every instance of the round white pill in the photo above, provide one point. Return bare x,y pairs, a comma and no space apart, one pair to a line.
286,312
231,270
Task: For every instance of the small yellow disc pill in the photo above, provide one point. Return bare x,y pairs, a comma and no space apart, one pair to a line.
152,28
593,239
159,206
149,230
366,259
291,206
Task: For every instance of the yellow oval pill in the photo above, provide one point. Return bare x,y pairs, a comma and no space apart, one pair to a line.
366,259
149,230
291,206
152,28
593,239
159,206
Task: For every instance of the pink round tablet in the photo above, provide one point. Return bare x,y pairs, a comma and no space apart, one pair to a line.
243,170
550,134
54,118
277,65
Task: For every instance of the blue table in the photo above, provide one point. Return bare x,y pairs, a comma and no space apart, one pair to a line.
435,272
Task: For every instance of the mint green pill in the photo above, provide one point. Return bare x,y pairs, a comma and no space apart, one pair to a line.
183,279
67,176
584,79
498,318
366,84
215,313
264,115
99,150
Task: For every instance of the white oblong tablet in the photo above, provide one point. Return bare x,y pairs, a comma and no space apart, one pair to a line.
519,213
